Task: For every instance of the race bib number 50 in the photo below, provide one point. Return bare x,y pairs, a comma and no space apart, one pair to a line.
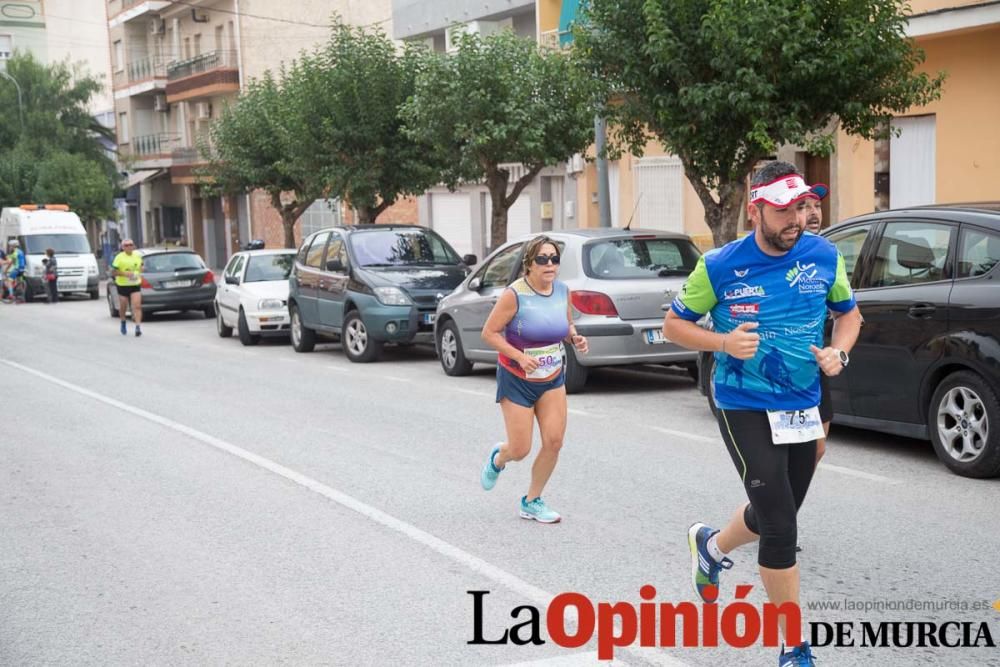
794,426
549,358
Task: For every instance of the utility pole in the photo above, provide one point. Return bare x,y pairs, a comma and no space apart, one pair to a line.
20,102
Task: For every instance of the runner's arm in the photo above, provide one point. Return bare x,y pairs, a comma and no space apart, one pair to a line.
697,297
846,328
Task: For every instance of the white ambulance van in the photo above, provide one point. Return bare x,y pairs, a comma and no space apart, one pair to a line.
52,226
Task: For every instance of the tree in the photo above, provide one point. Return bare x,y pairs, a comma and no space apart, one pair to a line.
78,181
499,100
251,149
723,83
56,156
347,95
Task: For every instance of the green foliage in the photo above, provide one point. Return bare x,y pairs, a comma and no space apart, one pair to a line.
723,83
499,100
58,140
345,99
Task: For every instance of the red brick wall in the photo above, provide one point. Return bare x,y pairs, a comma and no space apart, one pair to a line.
265,223
404,211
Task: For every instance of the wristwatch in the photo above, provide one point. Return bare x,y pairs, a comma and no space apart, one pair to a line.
844,358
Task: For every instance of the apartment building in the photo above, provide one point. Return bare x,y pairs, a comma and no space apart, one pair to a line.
463,217
175,66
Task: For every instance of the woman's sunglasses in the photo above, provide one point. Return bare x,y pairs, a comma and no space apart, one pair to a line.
542,260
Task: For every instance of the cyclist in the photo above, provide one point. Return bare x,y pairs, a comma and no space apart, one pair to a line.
528,326
13,270
768,294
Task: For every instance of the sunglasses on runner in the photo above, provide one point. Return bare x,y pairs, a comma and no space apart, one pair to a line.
542,260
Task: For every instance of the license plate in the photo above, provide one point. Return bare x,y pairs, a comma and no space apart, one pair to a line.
655,337
172,284
429,318
69,285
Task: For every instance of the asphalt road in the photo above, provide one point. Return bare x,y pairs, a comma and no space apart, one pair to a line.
181,499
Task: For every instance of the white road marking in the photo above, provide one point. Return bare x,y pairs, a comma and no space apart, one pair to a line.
394,378
850,472
511,581
689,436
582,413
339,369
473,392
859,473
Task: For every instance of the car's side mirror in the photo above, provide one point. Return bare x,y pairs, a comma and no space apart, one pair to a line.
336,266
232,280
470,260
475,284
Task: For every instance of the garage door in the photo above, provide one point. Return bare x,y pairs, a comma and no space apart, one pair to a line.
659,183
912,177
518,216
451,217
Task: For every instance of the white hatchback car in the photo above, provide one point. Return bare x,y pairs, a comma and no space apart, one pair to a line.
253,296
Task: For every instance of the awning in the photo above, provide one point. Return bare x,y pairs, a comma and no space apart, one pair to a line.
141,176
567,16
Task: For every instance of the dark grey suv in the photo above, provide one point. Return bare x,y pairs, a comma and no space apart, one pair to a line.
370,285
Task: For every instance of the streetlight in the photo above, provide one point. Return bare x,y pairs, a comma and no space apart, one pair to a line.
20,103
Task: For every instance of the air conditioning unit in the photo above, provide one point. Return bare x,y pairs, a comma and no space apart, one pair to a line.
160,103
157,26
203,110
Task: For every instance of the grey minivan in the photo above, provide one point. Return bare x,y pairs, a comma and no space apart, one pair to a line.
619,280
370,285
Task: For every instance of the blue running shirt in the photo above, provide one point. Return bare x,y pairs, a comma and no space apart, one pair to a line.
788,297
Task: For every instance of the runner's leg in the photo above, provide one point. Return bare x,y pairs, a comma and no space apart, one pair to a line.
550,411
520,423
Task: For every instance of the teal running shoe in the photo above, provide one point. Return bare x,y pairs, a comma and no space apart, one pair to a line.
538,511
704,569
488,477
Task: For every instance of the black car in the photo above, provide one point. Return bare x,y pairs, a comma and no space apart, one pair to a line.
927,362
172,279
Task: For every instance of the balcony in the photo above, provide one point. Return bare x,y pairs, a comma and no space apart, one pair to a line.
150,146
143,70
206,75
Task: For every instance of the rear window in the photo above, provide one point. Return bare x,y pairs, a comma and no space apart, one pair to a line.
628,258
175,261
401,247
269,267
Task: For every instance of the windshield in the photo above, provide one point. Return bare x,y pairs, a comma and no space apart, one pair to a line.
269,267
640,258
63,244
174,261
401,247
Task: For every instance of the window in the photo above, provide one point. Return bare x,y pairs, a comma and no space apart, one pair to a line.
231,268
219,38
323,213
399,247
911,253
172,261
119,52
173,223
262,268
978,253
314,258
197,44
850,242
123,128
499,269
6,47
187,48
336,252
639,258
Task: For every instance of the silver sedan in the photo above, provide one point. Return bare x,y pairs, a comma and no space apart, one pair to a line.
619,280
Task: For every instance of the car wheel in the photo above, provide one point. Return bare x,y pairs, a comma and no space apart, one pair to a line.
964,424
705,381
453,359
111,305
209,311
692,371
246,337
576,375
358,344
29,294
220,325
303,338
94,295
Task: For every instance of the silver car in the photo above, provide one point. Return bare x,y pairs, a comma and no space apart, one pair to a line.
619,281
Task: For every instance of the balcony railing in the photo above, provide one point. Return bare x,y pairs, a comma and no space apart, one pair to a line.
204,62
154,144
186,155
147,68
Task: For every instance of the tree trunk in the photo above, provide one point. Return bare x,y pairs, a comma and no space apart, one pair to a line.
722,213
496,181
368,214
289,216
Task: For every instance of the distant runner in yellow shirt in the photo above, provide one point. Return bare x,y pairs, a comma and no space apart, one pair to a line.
126,270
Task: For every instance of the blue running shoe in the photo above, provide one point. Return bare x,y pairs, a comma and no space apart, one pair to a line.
488,477
538,511
800,656
138,331
124,329
704,569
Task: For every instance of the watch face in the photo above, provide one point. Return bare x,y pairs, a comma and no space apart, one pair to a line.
844,359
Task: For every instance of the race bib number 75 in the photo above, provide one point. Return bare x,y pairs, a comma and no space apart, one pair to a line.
794,426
